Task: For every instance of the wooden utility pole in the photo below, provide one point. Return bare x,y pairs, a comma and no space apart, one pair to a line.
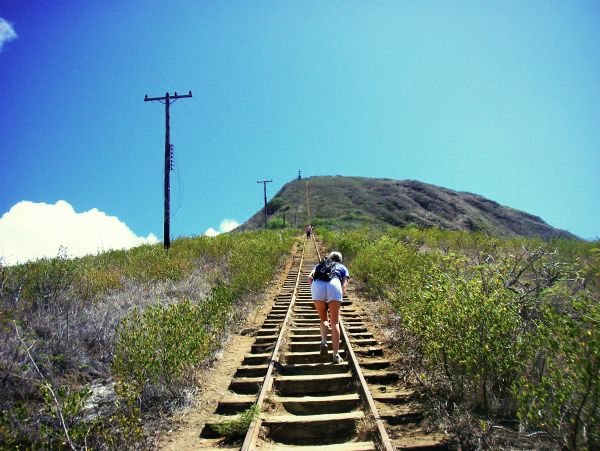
264,182
167,100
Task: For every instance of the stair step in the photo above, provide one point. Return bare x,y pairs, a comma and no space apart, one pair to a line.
349,446
313,368
313,429
230,405
313,405
314,384
251,371
309,357
246,385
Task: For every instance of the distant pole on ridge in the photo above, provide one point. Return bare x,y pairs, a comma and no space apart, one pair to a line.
264,182
167,100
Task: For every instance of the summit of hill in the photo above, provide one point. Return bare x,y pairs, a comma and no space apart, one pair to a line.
347,202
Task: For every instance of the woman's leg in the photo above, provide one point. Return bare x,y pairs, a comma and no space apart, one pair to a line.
334,318
321,307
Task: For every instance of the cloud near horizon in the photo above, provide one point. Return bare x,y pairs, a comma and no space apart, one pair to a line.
7,32
30,230
227,225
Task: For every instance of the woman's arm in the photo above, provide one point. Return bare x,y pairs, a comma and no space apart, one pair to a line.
344,285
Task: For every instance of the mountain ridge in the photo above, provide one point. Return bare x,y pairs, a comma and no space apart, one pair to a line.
340,202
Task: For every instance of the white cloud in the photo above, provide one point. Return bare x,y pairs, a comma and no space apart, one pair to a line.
227,225
7,32
31,230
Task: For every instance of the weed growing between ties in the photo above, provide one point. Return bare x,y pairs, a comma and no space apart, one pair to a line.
501,333
142,318
235,428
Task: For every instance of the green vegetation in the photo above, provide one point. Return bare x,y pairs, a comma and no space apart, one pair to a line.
236,427
501,330
143,318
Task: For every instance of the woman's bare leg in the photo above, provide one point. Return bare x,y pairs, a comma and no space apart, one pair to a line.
334,318
321,307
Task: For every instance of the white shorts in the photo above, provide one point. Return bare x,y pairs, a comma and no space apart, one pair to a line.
326,291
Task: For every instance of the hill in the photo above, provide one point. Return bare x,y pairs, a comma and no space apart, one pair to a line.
341,202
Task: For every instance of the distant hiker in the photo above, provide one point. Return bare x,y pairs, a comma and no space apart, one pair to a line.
329,281
308,231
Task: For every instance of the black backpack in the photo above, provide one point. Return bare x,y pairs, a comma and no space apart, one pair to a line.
325,270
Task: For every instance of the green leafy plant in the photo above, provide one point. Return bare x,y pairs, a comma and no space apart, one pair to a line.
159,346
562,396
236,427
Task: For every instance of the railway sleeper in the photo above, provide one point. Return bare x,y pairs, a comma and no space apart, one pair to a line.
316,405
251,371
246,385
313,368
313,429
373,364
314,384
306,346
231,405
309,357
256,359
380,376
348,446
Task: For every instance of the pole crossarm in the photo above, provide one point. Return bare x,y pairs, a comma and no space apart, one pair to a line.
173,97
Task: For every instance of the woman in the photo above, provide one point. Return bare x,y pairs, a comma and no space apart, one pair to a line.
327,295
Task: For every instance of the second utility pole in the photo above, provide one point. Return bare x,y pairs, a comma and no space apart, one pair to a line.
168,100
264,182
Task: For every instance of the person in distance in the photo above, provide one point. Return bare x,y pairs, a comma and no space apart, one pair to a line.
329,282
308,230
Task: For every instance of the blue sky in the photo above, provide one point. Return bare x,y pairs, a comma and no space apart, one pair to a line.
497,98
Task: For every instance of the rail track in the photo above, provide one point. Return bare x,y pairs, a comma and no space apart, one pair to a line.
306,402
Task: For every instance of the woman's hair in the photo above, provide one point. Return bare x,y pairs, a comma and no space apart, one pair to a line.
335,256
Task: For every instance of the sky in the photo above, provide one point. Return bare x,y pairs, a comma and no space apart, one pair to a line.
501,99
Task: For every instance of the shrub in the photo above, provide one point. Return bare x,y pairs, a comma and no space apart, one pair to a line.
275,223
509,323
159,346
562,394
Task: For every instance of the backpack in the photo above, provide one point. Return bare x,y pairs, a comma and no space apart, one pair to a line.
325,270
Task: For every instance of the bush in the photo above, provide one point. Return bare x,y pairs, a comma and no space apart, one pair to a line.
160,346
510,324
275,223
562,394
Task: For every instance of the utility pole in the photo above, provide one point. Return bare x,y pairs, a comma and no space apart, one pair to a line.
264,182
167,100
